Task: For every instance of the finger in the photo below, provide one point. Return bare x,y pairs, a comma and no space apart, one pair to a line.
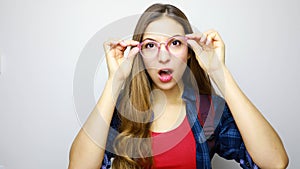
126,43
131,42
203,38
106,46
209,31
132,53
214,40
194,36
113,49
122,43
214,35
209,39
198,37
209,36
195,46
198,50
117,45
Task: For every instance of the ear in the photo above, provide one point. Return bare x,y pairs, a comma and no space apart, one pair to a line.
189,56
190,53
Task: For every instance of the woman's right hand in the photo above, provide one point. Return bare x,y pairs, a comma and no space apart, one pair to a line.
119,66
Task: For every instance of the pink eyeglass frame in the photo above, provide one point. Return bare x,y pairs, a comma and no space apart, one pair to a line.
160,43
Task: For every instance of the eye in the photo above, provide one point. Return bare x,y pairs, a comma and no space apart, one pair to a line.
176,42
149,45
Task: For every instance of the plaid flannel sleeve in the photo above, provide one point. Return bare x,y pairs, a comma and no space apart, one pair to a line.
229,143
113,131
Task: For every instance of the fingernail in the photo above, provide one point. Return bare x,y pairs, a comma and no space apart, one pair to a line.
207,42
202,39
189,37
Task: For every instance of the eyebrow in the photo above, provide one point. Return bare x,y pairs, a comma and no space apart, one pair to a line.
149,39
157,41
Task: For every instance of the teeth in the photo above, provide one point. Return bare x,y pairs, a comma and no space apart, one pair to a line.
167,71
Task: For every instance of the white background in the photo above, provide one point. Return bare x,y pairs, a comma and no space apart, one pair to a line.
41,41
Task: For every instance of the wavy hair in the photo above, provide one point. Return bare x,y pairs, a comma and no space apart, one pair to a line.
133,145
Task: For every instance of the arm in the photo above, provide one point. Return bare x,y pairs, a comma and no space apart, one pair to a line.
261,140
87,150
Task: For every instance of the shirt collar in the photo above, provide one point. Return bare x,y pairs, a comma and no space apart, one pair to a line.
189,94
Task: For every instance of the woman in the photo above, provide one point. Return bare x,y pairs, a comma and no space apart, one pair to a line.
160,117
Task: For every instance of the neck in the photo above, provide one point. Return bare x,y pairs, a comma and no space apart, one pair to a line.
172,95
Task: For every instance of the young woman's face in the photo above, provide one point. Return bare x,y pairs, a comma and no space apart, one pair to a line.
165,52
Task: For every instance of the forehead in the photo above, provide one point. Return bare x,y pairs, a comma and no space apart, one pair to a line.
163,27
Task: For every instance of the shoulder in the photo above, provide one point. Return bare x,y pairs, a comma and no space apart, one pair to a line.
220,106
213,104
215,112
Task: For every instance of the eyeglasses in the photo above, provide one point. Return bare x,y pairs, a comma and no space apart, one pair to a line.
174,45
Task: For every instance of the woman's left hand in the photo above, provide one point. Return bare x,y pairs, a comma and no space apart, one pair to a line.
209,49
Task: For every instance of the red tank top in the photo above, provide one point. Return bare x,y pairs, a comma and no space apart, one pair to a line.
174,149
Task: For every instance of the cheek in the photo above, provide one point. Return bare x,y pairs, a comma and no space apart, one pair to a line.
150,66
152,72
149,63
183,56
186,55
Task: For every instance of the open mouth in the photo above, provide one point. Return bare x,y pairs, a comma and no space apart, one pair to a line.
164,72
165,75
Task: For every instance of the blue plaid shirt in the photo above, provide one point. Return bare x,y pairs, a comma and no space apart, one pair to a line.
217,135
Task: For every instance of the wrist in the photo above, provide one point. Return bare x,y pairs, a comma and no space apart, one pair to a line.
114,86
218,74
220,78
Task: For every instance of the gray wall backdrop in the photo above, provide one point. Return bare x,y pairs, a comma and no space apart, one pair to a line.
41,41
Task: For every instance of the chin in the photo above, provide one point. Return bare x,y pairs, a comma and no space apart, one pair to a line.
165,86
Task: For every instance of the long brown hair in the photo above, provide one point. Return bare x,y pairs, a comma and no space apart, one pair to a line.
133,144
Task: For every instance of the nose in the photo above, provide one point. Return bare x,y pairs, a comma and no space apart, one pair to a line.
163,54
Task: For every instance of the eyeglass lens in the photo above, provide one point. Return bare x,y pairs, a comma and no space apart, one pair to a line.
174,45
